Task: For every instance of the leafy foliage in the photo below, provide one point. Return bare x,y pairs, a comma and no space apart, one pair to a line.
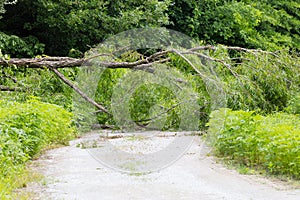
294,105
41,123
254,80
71,27
109,79
268,143
74,26
264,24
20,47
141,102
37,82
26,128
148,103
258,81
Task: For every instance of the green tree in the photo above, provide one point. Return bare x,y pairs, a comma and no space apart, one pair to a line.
75,26
262,24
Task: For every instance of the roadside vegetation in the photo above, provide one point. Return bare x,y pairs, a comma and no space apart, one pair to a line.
265,143
25,129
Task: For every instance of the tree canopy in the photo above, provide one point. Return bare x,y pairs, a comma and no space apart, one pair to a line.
265,24
71,27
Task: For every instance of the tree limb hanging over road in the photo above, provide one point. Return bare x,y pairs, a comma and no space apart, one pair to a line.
159,57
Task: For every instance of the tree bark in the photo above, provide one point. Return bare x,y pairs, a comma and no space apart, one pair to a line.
8,89
76,89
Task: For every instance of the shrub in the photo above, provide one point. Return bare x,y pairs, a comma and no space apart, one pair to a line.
269,143
26,128
46,123
40,83
20,47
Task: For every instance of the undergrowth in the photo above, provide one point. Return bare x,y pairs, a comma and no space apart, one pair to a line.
269,143
26,129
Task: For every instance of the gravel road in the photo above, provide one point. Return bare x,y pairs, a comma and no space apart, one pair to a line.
72,173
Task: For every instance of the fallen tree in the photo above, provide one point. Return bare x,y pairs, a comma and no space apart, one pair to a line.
248,74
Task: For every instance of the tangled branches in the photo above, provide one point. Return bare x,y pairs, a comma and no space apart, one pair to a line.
207,54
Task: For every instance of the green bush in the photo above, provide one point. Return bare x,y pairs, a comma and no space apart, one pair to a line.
12,150
269,143
26,128
46,122
20,47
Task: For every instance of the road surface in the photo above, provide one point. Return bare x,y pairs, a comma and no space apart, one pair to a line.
72,173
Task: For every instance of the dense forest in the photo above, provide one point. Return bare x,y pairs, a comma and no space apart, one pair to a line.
252,46
69,27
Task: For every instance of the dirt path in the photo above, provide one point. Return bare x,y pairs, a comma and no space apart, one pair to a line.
72,173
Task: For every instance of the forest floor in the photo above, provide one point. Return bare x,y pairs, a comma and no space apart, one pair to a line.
72,172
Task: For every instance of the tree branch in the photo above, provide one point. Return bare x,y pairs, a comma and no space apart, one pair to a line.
47,62
8,89
162,113
64,62
83,95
